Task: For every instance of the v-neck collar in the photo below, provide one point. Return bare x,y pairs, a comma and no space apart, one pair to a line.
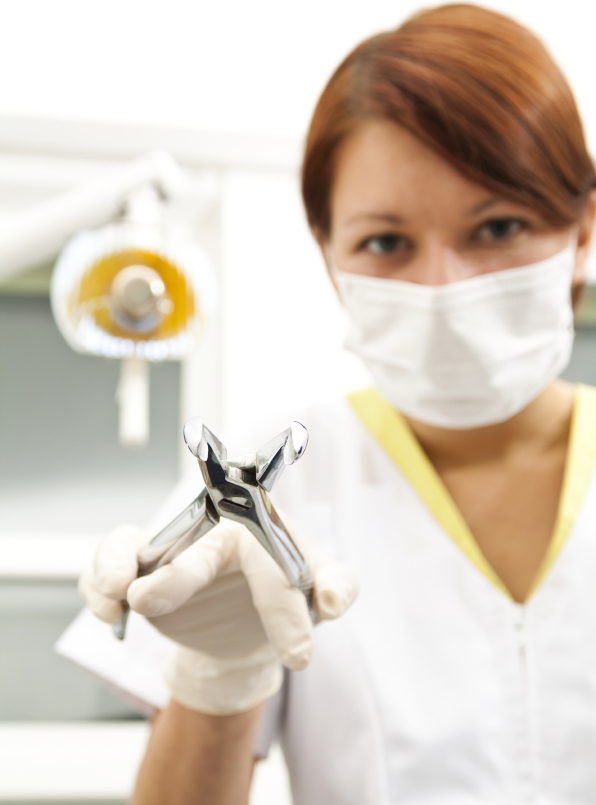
395,435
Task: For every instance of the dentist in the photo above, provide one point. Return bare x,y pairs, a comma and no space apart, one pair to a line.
447,183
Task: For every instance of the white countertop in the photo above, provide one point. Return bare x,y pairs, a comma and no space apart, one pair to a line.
96,761
70,761
40,556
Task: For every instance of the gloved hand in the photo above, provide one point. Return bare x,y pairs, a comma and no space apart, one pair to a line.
229,606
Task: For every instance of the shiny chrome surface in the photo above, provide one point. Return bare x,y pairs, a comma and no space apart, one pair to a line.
138,299
191,524
237,488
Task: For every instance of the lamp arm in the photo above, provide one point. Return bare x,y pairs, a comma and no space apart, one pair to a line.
40,232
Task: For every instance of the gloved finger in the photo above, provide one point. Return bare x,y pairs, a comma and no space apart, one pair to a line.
173,584
115,564
106,609
335,588
282,608
219,620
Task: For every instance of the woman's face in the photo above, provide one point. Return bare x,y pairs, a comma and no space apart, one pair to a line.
400,211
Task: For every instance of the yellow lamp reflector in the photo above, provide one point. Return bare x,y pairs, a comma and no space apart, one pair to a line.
131,292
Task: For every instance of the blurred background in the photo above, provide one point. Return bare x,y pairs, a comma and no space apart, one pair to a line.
227,89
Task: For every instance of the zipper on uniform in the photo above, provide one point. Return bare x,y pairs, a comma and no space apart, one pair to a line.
520,631
522,645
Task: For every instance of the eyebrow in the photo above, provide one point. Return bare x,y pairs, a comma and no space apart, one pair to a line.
386,218
484,205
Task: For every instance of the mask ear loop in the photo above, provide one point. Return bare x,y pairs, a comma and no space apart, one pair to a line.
330,260
576,291
334,272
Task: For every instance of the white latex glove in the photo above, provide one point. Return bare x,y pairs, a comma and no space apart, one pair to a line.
227,603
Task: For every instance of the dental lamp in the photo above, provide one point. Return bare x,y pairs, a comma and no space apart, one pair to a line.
138,289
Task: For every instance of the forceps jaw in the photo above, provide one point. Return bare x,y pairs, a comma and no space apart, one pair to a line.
199,438
263,467
237,488
278,453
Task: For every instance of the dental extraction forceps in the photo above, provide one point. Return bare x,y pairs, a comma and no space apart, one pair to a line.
236,488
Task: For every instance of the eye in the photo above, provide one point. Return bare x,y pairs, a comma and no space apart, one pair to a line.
381,245
500,229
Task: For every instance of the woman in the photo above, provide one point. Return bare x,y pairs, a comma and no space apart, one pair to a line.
447,182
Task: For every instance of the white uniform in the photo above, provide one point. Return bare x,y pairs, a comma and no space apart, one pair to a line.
437,688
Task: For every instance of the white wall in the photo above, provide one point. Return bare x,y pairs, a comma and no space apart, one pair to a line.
248,68
282,325
226,65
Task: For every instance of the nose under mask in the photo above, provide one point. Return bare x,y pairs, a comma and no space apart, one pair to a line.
467,354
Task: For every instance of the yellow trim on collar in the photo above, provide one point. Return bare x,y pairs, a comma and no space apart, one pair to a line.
579,468
395,436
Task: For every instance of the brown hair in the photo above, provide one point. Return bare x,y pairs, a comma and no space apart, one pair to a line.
478,89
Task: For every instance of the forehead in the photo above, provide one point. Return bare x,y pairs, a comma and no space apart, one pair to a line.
382,165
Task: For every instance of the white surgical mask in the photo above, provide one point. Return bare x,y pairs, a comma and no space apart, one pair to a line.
467,354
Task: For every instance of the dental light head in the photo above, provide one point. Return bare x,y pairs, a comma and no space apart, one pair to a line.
139,290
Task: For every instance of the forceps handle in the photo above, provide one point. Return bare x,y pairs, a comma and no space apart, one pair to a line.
197,519
271,532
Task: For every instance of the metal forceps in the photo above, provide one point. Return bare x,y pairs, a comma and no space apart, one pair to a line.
236,488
